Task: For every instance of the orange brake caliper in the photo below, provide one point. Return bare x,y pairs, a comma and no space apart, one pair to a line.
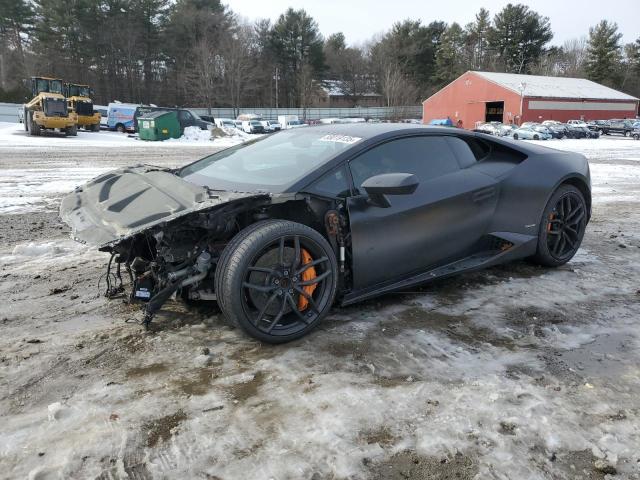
308,274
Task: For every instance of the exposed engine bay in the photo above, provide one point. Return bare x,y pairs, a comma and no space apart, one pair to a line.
180,257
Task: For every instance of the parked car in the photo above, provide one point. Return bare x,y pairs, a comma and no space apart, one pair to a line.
601,126
575,131
489,129
621,127
506,130
225,123
270,126
577,123
528,133
120,116
557,129
103,110
290,121
590,133
546,131
252,126
300,220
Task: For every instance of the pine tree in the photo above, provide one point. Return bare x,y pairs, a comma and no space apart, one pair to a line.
478,40
450,61
604,53
16,19
297,47
519,37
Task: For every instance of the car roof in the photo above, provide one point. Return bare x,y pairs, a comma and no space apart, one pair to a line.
371,130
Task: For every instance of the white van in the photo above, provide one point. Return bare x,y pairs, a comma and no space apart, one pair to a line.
290,121
224,123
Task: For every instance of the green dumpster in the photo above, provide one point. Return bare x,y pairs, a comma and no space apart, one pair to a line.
158,125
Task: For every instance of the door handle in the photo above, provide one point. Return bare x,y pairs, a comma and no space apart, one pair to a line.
484,194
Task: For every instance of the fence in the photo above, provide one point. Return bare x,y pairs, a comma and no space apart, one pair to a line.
413,111
9,112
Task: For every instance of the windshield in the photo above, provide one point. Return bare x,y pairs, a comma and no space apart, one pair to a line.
55,86
78,91
270,164
55,107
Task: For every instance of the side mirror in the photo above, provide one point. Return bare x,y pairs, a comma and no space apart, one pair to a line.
389,184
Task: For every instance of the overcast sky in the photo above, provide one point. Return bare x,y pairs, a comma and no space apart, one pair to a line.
360,19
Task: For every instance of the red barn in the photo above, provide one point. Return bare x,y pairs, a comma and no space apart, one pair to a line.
478,97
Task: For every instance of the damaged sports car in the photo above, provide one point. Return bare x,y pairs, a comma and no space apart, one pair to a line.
279,229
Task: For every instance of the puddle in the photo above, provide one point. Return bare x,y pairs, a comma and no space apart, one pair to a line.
409,464
246,390
198,385
458,328
148,370
160,429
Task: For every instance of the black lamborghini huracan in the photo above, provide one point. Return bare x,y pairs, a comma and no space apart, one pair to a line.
278,229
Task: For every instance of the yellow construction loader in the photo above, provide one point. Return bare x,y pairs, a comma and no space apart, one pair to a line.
47,110
79,101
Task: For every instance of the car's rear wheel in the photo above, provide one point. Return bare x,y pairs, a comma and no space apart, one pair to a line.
562,227
277,280
536,137
515,136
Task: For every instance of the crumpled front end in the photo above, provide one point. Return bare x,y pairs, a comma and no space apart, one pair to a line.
164,232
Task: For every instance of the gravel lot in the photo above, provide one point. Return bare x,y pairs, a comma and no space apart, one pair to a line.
517,372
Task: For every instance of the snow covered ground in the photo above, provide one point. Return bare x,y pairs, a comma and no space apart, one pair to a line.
12,135
53,164
517,372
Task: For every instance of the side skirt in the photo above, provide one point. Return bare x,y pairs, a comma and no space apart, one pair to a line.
523,246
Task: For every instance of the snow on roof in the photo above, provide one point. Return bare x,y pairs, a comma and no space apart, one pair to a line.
555,87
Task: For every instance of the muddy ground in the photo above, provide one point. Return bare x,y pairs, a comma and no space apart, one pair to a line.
517,372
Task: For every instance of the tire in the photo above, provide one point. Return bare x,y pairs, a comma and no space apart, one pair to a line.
72,131
515,136
260,284
25,115
96,128
559,239
626,133
34,128
536,137
120,128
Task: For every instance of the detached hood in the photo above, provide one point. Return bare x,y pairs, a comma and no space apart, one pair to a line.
124,202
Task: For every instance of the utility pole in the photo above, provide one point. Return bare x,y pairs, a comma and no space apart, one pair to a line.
276,87
521,87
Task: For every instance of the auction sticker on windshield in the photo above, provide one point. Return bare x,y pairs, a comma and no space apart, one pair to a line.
340,139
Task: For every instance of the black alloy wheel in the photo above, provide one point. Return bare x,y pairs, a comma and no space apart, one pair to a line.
562,227
277,281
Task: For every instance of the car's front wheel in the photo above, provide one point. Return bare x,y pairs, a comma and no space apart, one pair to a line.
277,280
562,227
515,136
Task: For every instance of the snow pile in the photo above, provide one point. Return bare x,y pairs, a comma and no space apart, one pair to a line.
32,249
195,134
37,254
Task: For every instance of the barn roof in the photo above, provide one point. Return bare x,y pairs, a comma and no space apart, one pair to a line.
555,87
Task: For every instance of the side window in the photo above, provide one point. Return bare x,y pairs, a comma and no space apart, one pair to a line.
468,151
426,157
184,116
334,184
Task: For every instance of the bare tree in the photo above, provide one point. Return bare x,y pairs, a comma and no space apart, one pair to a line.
237,64
207,72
